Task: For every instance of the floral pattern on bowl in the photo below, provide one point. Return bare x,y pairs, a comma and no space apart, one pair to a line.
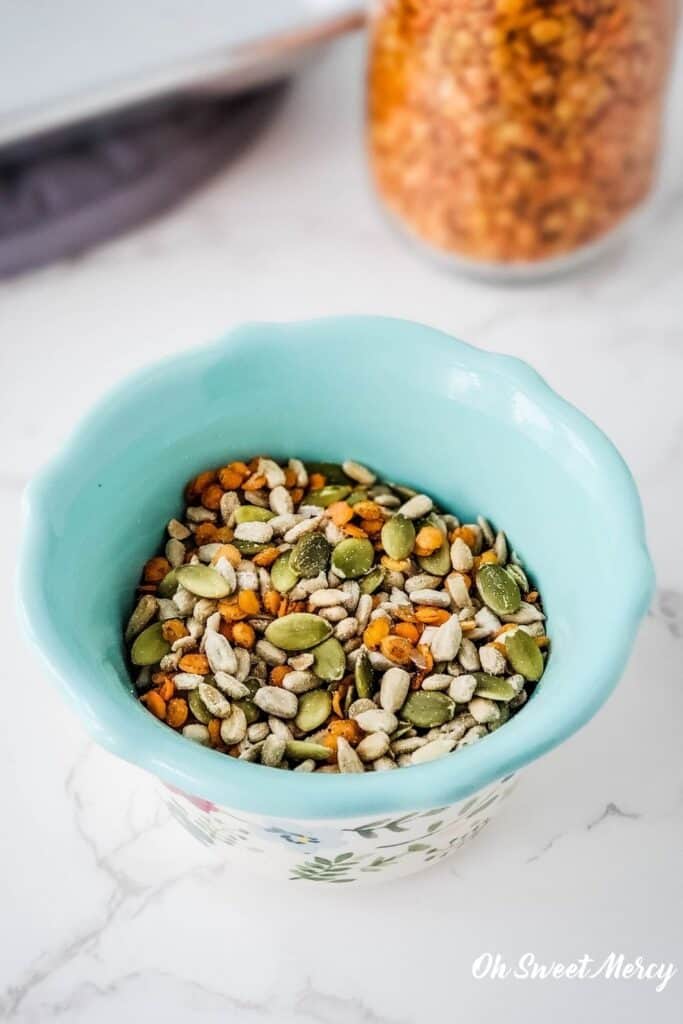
391,846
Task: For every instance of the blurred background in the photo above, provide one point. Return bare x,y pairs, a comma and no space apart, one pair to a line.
504,188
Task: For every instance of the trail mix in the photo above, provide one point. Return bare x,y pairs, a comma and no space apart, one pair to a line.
516,130
312,617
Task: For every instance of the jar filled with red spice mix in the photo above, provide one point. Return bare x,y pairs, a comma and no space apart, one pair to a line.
516,136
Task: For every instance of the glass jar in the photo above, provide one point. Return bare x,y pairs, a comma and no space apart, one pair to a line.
516,136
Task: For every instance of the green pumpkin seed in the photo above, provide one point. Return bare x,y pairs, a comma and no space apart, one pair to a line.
370,583
332,471
398,537
498,590
438,563
315,708
524,655
327,495
427,708
310,555
252,684
282,576
363,675
504,715
349,698
301,750
493,687
169,584
251,712
252,514
298,631
360,494
150,646
198,707
352,558
203,581
329,660
248,547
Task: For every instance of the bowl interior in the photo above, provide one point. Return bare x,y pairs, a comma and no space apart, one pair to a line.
480,433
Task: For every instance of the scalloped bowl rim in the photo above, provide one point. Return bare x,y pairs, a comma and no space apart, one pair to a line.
256,788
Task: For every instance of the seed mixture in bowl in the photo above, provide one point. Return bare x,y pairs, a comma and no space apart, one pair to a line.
312,617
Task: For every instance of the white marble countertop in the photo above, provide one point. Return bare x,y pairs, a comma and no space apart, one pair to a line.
109,910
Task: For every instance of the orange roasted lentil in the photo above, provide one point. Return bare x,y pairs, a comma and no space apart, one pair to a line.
278,673
225,629
408,630
206,533
173,629
197,664
431,616
397,649
395,564
211,497
167,688
351,530
230,610
340,513
372,527
155,703
249,602
271,601
155,569
346,727
176,712
159,678
428,540
198,484
244,635
230,479
375,633
368,510
266,557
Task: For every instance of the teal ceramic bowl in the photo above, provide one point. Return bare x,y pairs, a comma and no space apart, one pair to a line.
480,432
